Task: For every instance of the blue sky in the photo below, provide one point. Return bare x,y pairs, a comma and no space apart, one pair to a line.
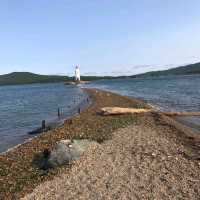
102,36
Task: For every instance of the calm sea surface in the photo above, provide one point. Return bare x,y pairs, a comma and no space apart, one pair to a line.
22,108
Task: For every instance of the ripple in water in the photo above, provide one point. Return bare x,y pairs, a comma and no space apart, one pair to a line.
22,108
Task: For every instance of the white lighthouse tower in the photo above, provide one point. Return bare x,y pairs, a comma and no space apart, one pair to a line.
77,74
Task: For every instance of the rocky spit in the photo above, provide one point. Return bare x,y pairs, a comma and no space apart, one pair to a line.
150,160
19,169
132,156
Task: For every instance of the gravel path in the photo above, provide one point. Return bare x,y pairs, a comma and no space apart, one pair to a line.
144,161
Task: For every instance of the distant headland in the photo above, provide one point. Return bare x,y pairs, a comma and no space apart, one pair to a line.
17,78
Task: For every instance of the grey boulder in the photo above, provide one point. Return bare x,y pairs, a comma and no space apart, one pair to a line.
66,151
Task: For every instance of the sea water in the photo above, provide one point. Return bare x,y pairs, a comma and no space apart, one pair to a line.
23,107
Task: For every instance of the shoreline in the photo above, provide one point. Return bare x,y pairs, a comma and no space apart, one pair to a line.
53,124
18,162
62,121
87,125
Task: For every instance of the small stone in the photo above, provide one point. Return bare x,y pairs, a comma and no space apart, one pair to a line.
162,158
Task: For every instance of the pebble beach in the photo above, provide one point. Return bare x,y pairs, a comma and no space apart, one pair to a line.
143,156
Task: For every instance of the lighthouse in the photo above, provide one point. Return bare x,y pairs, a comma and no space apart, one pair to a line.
77,74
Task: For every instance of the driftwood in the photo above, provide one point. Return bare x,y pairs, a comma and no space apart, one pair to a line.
118,110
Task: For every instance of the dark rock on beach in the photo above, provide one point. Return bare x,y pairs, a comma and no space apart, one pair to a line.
66,151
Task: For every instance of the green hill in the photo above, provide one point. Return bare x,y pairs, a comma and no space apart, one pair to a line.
17,78
29,78
183,70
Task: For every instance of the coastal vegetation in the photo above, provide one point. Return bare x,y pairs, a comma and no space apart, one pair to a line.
183,70
16,78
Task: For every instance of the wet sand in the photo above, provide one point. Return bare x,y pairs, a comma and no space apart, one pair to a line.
138,156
